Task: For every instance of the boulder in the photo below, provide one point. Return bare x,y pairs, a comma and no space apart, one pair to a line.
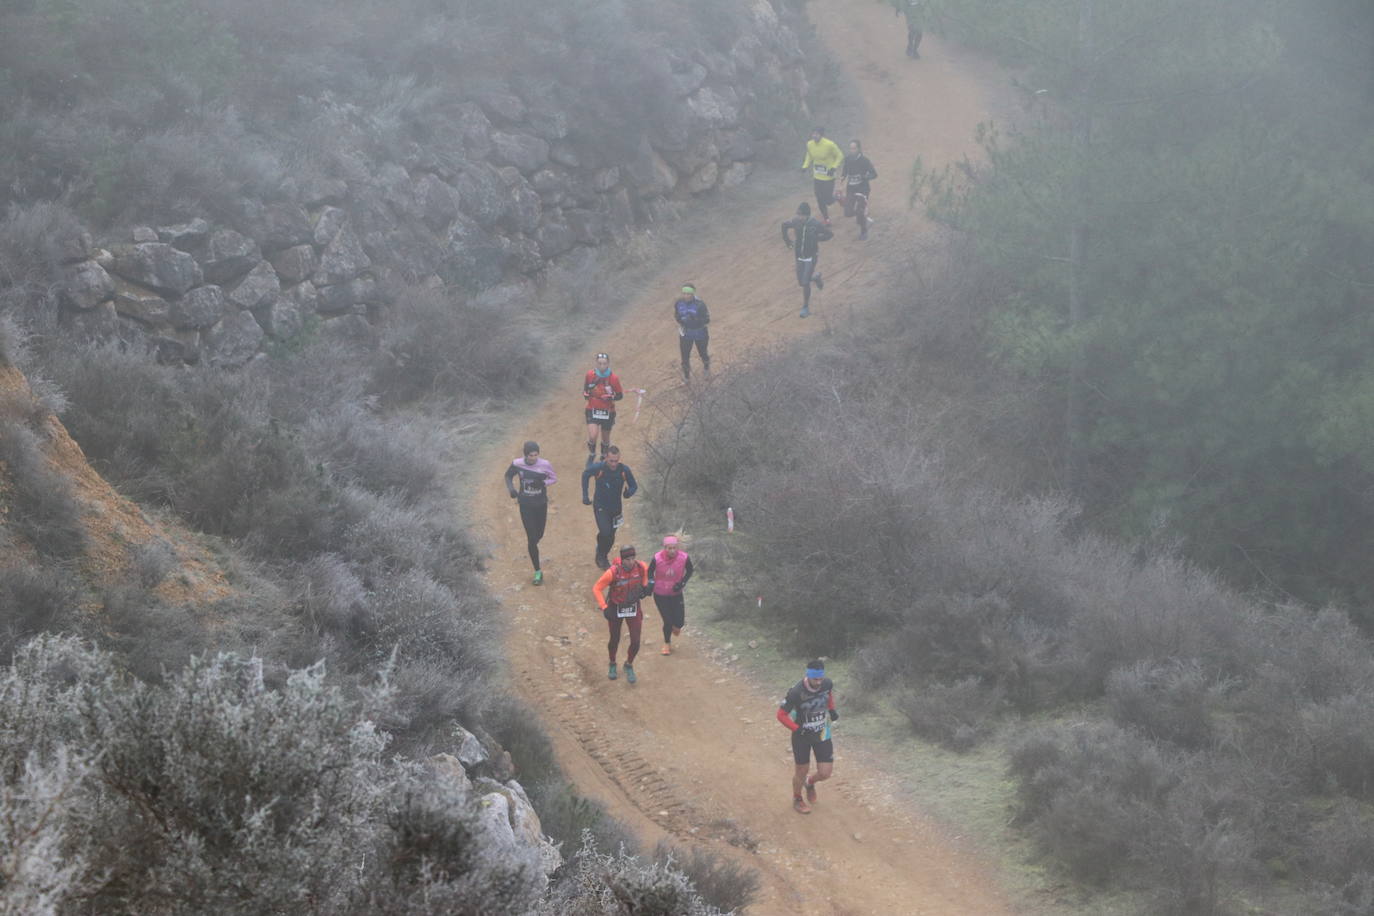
175,346
522,151
649,173
482,194
449,769
306,297
73,243
689,79
475,130
316,191
199,308
523,255
620,211
186,236
701,150
473,258
295,264
736,174
605,179
746,53
157,265
525,206
715,107
548,124
283,225
144,234
342,260
98,323
352,329
735,145
328,224
471,753
703,179
234,341
134,301
86,285
281,320
565,154
438,203
228,255
554,238
588,227
257,290
501,105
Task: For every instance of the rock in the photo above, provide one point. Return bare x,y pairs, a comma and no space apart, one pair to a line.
144,234
228,255
396,188
620,211
523,254
470,751
102,257
475,130
328,224
281,320
483,195
493,814
157,265
86,285
234,341
186,236
548,124
649,173
523,151
306,297
316,191
688,80
351,329
736,175
134,301
715,108
342,260
565,154
605,179
501,105
474,259
700,151
449,769
736,144
175,346
525,206
199,308
283,225
295,264
588,227
703,179
554,238
438,203
257,290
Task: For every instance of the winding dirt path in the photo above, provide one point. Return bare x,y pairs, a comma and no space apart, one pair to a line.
692,751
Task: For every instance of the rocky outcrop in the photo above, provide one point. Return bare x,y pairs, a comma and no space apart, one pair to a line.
505,182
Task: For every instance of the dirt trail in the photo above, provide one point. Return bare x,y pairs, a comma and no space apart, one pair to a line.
692,751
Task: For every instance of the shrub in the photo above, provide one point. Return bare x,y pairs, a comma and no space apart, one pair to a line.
35,600
1167,701
42,507
595,883
724,884
959,716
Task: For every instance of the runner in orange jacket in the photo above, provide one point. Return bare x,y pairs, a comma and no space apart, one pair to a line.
618,592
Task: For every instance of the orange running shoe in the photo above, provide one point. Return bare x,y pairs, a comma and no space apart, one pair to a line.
800,806
666,650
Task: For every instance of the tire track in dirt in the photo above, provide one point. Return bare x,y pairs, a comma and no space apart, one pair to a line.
692,752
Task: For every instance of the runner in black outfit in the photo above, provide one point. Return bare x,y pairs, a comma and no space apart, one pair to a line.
807,710
692,317
535,475
857,173
807,248
613,480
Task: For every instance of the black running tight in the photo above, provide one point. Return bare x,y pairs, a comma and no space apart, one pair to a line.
534,518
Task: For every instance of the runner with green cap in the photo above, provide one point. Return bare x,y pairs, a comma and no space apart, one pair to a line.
692,317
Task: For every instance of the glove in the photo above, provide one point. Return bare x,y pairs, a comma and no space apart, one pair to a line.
586,501
513,494
677,587
649,586
834,714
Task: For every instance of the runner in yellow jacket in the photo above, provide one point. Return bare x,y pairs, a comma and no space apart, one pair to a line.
823,160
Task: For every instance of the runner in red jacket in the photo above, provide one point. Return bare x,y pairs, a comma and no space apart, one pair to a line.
618,592
601,388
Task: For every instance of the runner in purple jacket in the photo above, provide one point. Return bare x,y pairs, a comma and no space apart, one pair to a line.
535,475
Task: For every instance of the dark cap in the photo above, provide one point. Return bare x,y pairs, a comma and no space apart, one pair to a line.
627,551
804,208
530,446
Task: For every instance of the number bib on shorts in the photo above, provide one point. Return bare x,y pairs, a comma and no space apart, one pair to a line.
600,413
626,611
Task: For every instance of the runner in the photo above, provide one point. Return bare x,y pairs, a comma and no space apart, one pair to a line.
618,592
613,480
602,389
912,10
858,172
807,248
807,711
692,317
823,159
535,476
669,570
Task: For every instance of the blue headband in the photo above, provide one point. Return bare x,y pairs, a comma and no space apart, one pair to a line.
814,673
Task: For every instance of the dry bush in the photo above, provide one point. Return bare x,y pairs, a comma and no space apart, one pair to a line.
40,504
1168,701
35,600
721,882
959,716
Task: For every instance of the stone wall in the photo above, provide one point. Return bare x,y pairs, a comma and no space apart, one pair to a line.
497,189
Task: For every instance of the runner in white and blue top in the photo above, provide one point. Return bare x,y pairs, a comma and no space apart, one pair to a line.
807,710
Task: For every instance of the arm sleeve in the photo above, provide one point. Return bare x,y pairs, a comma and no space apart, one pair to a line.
643,575
785,719
599,589
872,172
631,485
653,564
705,313
615,386
687,571
830,700
806,163
511,471
786,224
549,476
586,476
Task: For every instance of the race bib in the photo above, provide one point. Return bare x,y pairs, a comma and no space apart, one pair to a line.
820,171
618,521
626,611
532,488
855,180
815,722
600,413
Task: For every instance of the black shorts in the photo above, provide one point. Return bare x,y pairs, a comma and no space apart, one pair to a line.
604,424
806,269
825,192
803,745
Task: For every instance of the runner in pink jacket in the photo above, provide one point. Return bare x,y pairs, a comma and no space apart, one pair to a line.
669,571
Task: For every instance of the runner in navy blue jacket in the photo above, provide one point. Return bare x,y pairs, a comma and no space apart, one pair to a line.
692,317
613,480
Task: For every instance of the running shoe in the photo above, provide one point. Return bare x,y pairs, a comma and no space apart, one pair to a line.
810,791
863,235
539,577
806,310
629,672
826,221
610,672
602,562
666,650
800,806
820,284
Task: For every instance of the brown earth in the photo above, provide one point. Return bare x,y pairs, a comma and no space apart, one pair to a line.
692,752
